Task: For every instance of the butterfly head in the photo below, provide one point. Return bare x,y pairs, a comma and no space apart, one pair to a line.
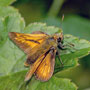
58,37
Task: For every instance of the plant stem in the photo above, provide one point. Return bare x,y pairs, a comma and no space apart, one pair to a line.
56,6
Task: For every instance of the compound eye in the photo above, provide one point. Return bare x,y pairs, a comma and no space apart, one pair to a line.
59,40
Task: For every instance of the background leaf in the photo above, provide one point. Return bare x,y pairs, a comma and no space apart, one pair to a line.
8,52
15,82
6,2
12,58
8,10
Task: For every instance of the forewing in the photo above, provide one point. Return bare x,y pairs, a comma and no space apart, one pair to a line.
27,41
46,68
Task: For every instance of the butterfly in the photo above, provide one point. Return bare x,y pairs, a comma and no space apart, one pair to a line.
41,50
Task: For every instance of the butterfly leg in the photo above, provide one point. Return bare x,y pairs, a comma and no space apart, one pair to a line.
60,46
68,46
60,58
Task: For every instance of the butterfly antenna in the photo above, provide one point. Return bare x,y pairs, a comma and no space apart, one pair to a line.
62,17
62,21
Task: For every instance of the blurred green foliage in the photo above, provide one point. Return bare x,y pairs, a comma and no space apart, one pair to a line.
76,22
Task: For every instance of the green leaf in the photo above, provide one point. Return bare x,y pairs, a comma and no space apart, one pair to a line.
9,53
6,2
5,13
12,69
8,10
16,81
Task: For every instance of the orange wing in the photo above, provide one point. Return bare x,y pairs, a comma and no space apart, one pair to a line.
30,43
46,68
27,41
43,67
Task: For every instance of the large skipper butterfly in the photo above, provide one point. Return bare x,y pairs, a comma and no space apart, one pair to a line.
41,49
